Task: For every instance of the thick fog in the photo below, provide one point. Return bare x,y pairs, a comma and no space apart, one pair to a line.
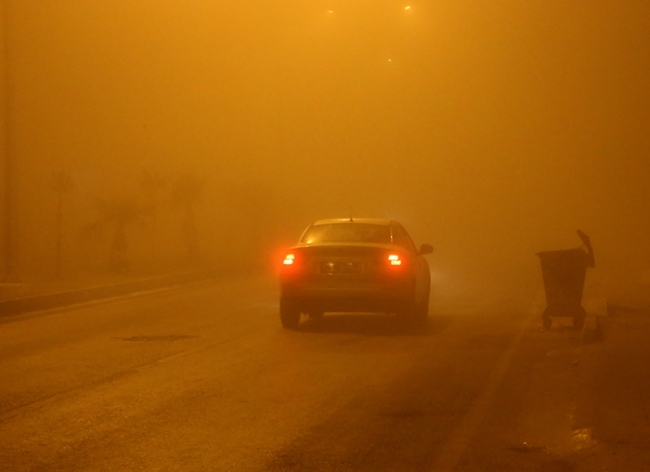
492,130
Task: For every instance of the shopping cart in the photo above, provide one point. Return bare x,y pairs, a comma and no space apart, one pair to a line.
564,274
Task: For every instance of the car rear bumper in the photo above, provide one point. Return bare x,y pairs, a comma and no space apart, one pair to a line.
375,298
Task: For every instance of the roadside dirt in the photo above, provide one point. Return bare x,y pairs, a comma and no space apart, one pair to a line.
571,403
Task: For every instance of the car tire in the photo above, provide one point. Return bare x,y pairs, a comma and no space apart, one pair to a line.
413,310
422,310
289,313
408,308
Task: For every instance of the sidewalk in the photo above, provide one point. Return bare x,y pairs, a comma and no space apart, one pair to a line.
613,404
16,298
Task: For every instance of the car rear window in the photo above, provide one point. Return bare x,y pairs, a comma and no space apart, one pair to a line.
347,233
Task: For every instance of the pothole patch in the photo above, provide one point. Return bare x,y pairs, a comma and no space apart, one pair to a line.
525,447
404,413
159,338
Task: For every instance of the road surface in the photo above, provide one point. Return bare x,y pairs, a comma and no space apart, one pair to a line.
203,378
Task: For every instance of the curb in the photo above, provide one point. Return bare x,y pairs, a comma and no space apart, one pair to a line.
594,327
21,305
613,310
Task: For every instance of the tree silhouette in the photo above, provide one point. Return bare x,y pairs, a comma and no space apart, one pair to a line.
118,213
186,193
153,187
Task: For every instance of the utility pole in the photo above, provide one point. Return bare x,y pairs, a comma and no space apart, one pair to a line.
8,93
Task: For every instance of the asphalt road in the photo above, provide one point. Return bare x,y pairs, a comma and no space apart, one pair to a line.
203,378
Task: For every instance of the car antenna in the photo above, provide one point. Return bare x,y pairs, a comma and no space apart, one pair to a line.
350,212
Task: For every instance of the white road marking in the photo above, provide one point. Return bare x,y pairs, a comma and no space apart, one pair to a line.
460,438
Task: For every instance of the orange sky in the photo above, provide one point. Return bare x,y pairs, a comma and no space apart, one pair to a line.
491,129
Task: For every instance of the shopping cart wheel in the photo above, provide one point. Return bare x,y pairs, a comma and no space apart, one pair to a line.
579,318
546,319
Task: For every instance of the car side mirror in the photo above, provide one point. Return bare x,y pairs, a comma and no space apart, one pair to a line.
426,249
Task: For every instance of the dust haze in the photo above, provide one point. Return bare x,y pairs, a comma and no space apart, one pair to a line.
172,132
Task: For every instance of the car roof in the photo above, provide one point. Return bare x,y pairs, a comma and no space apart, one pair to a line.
373,221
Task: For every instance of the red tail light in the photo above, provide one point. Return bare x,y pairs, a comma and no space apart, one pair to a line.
289,259
394,260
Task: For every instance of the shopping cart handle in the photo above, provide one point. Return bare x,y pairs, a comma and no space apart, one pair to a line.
590,250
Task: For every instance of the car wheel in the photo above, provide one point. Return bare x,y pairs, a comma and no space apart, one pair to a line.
422,310
289,313
408,308
415,311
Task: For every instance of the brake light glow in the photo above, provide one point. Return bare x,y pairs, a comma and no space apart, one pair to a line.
394,260
289,259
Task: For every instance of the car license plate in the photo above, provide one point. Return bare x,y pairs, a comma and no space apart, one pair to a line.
340,267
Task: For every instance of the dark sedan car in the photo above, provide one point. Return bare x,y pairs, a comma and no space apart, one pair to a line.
354,265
